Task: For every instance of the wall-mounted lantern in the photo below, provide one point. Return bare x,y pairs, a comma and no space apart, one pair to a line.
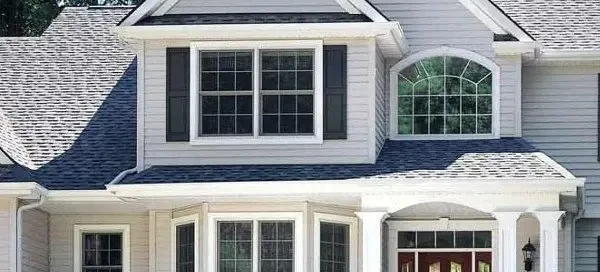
528,255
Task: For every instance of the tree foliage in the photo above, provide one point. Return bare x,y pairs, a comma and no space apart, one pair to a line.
32,17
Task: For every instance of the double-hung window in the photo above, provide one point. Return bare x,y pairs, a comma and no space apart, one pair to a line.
256,92
335,243
101,248
256,242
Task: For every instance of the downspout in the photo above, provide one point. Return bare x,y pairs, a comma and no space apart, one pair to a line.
20,211
576,218
122,175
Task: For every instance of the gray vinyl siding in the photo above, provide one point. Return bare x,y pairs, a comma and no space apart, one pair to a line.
254,6
35,241
431,24
560,107
353,150
7,234
586,245
380,102
62,233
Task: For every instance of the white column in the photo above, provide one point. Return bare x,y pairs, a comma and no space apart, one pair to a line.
507,240
371,240
549,240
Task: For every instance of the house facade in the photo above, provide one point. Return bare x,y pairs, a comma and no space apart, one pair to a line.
314,135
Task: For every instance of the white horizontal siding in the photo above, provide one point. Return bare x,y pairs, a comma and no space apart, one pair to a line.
431,24
35,241
353,150
254,6
586,245
7,234
560,109
62,232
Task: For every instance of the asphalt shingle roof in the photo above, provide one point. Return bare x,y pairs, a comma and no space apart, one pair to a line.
252,18
499,158
558,24
68,100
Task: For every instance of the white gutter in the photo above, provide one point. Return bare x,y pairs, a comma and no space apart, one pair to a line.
580,55
20,211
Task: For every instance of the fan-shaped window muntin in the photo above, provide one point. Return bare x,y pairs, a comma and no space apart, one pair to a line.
444,95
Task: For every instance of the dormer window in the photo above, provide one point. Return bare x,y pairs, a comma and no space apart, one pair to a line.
443,97
256,92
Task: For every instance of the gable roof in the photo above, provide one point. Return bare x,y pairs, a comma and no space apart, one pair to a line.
252,18
558,24
67,107
510,158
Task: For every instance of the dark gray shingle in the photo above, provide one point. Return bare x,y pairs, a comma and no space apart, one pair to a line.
501,158
253,18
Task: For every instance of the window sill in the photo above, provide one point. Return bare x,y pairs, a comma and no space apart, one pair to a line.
447,137
262,140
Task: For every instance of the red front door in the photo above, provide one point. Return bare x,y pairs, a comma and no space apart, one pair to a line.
445,262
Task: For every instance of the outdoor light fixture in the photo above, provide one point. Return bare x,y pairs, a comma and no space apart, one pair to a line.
528,252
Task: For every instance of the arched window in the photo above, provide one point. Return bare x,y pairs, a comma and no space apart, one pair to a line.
441,96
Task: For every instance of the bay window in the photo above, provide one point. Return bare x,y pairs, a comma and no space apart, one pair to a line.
256,92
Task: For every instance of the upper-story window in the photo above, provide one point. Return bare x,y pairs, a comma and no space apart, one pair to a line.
257,92
443,97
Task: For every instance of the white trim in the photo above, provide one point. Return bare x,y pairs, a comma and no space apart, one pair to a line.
214,218
369,10
4,160
12,233
175,222
351,222
563,171
140,12
495,19
518,98
560,55
164,7
350,187
436,52
152,241
256,46
514,48
22,189
78,230
348,7
141,83
372,106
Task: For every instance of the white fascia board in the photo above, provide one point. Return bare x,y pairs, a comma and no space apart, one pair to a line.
368,10
582,55
22,189
348,7
4,159
514,48
346,187
81,196
142,11
495,19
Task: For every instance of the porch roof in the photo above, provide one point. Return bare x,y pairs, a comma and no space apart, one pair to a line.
511,158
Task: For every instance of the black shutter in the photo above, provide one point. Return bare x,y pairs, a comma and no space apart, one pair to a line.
334,91
178,94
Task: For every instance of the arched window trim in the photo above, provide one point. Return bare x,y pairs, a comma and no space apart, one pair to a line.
439,52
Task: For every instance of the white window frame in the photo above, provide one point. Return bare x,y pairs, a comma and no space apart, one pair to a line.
79,230
352,223
175,222
215,218
256,46
449,52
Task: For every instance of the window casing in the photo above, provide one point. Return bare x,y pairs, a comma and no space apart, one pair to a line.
253,242
101,248
256,92
444,93
185,244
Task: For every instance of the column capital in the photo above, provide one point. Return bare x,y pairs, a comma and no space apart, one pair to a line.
549,216
507,216
372,216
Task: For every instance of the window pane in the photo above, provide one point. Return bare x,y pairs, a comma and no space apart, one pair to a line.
185,247
425,239
437,86
455,66
422,87
475,72
235,246
484,124
452,85
464,239
483,239
436,105
468,124
405,105
434,66
453,124
421,105
101,251
484,104
468,105
405,124
421,125
305,104
334,247
468,87
444,239
305,80
407,239
404,87
436,125
276,246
